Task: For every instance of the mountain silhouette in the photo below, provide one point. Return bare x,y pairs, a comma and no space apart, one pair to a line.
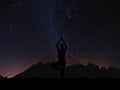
78,71
1,77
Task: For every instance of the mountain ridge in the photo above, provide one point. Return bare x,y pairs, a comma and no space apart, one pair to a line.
78,71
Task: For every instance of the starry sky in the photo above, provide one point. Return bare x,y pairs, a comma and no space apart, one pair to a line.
30,29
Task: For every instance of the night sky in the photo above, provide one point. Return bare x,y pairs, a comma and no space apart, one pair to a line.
30,29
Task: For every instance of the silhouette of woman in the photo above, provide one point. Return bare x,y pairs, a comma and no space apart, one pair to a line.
60,65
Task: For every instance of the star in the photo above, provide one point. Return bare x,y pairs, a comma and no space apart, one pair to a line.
68,14
15,6
11,25
104,33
